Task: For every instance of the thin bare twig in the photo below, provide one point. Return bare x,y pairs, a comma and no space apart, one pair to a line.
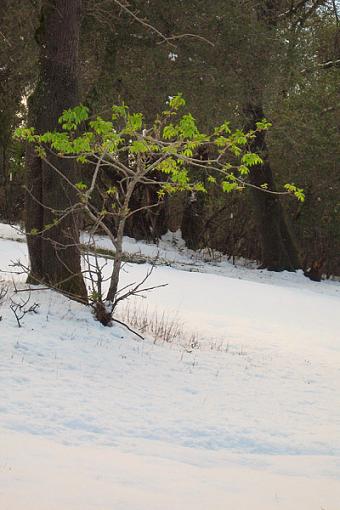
165,39
128,327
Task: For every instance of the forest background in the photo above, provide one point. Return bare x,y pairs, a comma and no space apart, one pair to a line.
237,60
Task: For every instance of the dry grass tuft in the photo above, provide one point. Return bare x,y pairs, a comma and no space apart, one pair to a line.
165,328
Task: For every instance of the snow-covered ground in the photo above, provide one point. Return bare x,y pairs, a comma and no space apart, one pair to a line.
94,418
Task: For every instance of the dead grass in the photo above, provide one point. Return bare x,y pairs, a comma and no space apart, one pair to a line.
163,327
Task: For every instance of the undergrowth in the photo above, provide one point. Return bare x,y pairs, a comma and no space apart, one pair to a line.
163,327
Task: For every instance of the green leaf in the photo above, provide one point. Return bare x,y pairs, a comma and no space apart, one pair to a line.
40,151
180,177
168,188
187,153
223,128
82,186
297,192
176,102
168,166
187,126
25,134
251,159
199,186
244,170
169,132
221,141
228,186
71,118
263,125
235,150
139,147
112,191
82,159
101,126
134,123
300,195
119,111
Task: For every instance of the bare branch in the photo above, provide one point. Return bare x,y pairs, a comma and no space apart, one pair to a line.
182,36
142,22
336,14
128,327
165,39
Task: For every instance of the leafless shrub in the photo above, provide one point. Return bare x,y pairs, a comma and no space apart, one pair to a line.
21,307
3,294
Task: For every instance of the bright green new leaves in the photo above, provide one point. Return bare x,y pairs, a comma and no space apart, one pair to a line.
248,160
181,177
244,170
172,145
112,190
176,102
263,125
63,143
169,132
27,134
73,117
229,186
134,123
119,111
168,166
187,127
298,192
178,175
223,129
239,138
251,159
222,141
199,186
101,126
139,147
82,186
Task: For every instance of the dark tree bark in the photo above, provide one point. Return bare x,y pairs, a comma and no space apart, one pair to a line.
278,247
3,164
279,251
54,255
192,221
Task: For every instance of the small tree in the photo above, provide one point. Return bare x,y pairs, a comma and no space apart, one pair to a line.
164,155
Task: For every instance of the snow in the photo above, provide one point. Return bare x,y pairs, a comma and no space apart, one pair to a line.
93,418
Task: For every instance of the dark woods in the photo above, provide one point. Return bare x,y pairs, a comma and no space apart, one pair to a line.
242,61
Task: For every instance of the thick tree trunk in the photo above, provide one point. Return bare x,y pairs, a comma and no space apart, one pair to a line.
279,251
192,220
3,165
54,254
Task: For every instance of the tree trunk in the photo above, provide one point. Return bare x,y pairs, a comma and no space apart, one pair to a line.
279,252
54,254
192,220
